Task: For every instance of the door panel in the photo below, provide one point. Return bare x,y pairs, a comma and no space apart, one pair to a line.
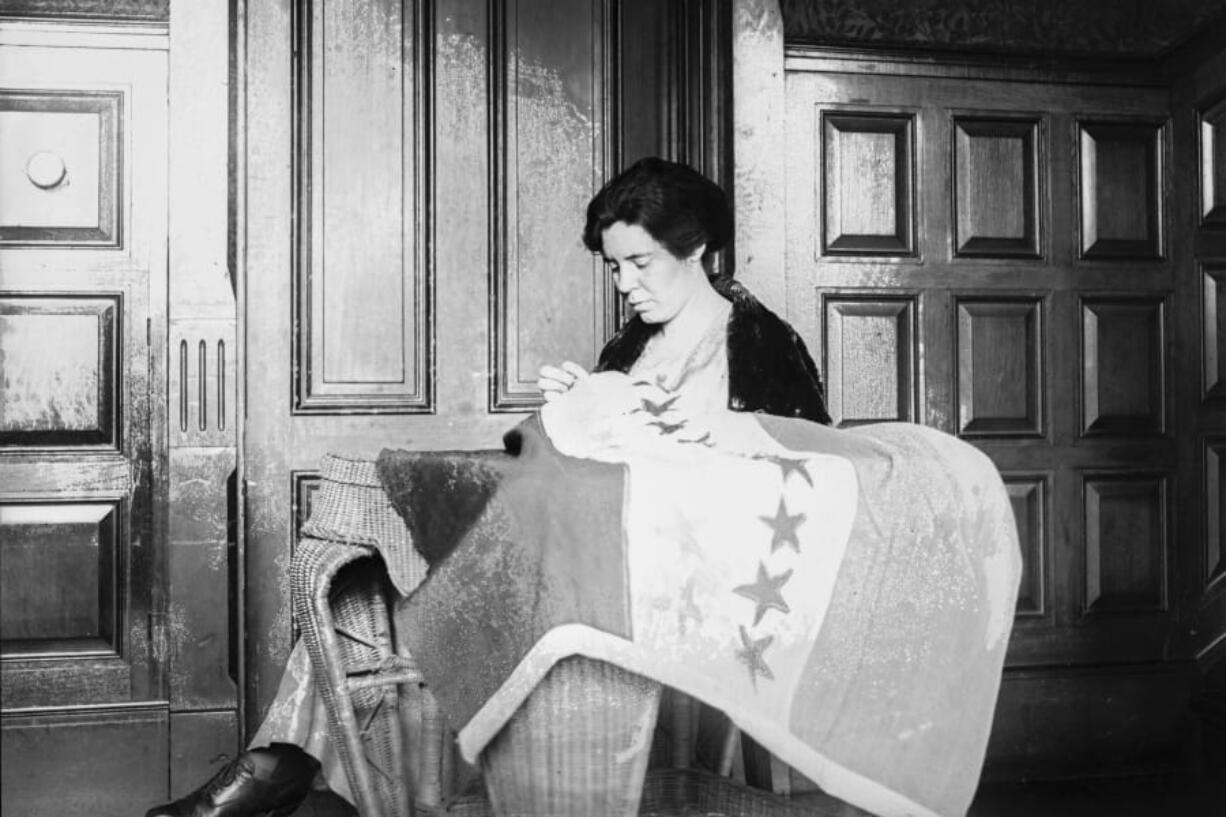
82,292
992,257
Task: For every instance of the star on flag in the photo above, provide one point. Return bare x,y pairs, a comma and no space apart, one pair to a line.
783,526
750,655
788,465
764,592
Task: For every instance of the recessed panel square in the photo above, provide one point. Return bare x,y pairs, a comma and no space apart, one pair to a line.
60,577
870,359
58,375
1027,494
1123,366
996,182
1000,367
1121,189
60,169
868,184
1213,165
1126,543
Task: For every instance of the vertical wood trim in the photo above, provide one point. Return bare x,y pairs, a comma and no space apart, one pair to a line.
759,149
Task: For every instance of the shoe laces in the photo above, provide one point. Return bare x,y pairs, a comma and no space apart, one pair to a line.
227,774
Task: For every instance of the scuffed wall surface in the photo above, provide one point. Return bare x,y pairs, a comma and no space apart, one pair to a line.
758,149
1141,28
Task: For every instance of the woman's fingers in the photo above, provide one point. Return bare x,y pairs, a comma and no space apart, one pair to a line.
554,380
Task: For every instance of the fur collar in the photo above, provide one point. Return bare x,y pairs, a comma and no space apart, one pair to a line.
769,368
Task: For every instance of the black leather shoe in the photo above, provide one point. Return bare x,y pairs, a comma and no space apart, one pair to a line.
269,782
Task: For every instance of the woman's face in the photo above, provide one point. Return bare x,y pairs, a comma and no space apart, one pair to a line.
656,283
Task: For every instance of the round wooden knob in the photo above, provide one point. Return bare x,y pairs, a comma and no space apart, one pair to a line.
46,170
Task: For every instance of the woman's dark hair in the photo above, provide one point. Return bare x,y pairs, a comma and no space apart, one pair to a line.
675,204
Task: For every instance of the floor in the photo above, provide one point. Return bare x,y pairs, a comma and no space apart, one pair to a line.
1137,797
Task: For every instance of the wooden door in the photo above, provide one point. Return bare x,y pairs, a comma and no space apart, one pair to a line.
82,306
416,180
995,253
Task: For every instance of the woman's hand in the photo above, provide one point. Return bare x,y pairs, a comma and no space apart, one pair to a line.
557,380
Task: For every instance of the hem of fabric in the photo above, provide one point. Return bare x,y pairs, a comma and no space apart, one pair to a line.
579,639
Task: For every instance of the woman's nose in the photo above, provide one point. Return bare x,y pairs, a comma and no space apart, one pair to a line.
627,279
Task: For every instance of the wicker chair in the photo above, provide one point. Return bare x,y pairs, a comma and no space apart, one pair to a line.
370,686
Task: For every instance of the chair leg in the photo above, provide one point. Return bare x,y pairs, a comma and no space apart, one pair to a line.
728,754
347,733
430,792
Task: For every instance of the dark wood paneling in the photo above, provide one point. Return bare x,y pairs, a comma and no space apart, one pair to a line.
1028,495
1000,367
363,274
61,578
996,198
1213,317
68,145
84,762
868,181
1121,186
870,358
1215,509
1123,366
1213,165
1126,533
59,387
1063,723
551,300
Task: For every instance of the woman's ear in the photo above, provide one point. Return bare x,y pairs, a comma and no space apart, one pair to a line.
696,256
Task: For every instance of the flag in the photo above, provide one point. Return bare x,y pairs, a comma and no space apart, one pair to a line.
844,596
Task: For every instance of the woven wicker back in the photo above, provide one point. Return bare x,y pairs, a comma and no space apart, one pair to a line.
352,507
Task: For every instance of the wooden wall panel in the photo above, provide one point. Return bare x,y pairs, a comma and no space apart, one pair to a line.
996,187
1123,366
1121,185
1213,330
362,274
61,183
1000,367
1213,165
96,761
551,300
870,359
869,183
60,578
1126,532
59,371
1028,495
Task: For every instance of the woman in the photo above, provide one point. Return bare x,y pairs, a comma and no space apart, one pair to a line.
658,226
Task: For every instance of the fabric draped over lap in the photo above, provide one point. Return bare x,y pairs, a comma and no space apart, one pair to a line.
845,596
